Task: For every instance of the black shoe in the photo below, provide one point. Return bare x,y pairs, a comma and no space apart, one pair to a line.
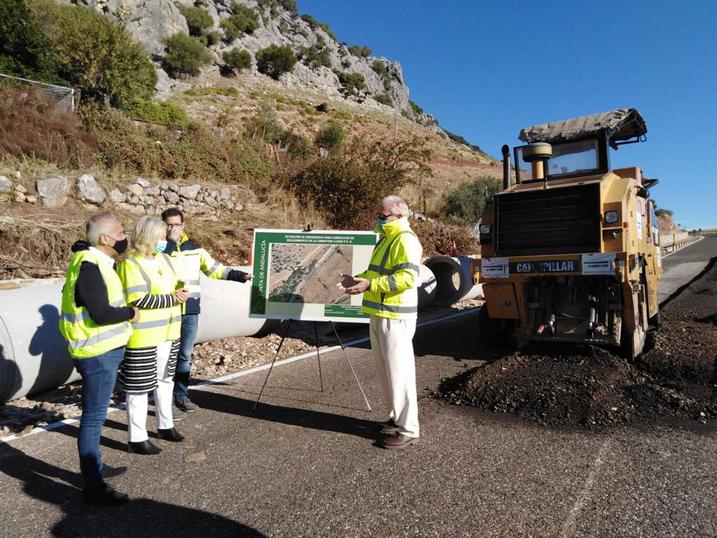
111,472
170,434
389,427
143,447
104,495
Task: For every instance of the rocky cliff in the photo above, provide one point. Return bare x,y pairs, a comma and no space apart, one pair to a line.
149,21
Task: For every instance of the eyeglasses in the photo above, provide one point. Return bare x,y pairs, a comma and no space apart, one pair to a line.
379,215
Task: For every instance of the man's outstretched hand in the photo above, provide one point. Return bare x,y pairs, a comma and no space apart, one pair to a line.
353,286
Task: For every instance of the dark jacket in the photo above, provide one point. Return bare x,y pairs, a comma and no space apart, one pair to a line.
91,292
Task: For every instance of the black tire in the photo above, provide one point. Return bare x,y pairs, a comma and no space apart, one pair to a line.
493,332
656,320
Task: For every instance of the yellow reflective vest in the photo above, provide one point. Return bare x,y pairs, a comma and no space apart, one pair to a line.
393,272
141,276
190,261
84,337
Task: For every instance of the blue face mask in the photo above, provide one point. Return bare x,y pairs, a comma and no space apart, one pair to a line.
381,222
161,245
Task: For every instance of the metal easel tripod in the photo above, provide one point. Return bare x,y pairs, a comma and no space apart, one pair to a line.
318,358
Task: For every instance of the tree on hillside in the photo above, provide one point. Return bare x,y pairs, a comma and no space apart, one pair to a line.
274,61
96,54
466,203
198,19
24,49
243,20
185,55
348,183
330,136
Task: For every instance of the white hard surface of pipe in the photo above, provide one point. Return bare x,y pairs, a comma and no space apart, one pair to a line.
427,286
454,279
33,353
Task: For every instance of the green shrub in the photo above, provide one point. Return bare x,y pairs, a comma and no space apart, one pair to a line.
212,38
264,125
362,51
384,99
294,144
379,68
314,24
184,55
274,61
25,51
466,203
158,112
461,140
351,83
417,110
198,19
289,5
315,56
243,20
347,185
237,59
330,136
96,54
439,238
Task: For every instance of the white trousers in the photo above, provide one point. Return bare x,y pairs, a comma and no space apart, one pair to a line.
137,403
392,346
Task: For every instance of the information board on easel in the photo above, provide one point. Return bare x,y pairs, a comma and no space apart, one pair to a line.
295,274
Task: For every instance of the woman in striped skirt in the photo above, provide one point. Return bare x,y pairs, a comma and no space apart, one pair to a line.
150,358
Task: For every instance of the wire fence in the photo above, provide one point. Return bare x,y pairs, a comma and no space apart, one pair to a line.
67,99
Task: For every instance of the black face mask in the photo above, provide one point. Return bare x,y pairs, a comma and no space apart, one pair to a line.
120,246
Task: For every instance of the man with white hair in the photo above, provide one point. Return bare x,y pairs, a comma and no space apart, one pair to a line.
95,322
390,297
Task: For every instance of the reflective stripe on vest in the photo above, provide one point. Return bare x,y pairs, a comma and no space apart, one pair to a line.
392,304
84,337
390,308
155,325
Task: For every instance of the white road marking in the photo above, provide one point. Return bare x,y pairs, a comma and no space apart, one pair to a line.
568,528
235,375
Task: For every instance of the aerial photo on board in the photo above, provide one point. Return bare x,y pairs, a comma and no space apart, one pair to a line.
306,273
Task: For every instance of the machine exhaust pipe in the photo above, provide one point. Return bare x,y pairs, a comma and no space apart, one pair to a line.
505,150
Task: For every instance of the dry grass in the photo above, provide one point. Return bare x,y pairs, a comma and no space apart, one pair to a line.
32,126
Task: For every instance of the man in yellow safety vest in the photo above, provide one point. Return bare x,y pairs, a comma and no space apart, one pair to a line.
390,288
95,322
191,261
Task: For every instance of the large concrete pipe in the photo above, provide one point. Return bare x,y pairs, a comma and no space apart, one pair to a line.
427,287
454,279
33,354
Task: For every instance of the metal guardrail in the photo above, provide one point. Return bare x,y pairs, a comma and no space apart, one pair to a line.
674,241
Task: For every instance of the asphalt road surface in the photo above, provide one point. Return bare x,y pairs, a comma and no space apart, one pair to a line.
683,265
304,464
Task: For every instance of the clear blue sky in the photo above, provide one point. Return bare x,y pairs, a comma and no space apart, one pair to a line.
487,69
